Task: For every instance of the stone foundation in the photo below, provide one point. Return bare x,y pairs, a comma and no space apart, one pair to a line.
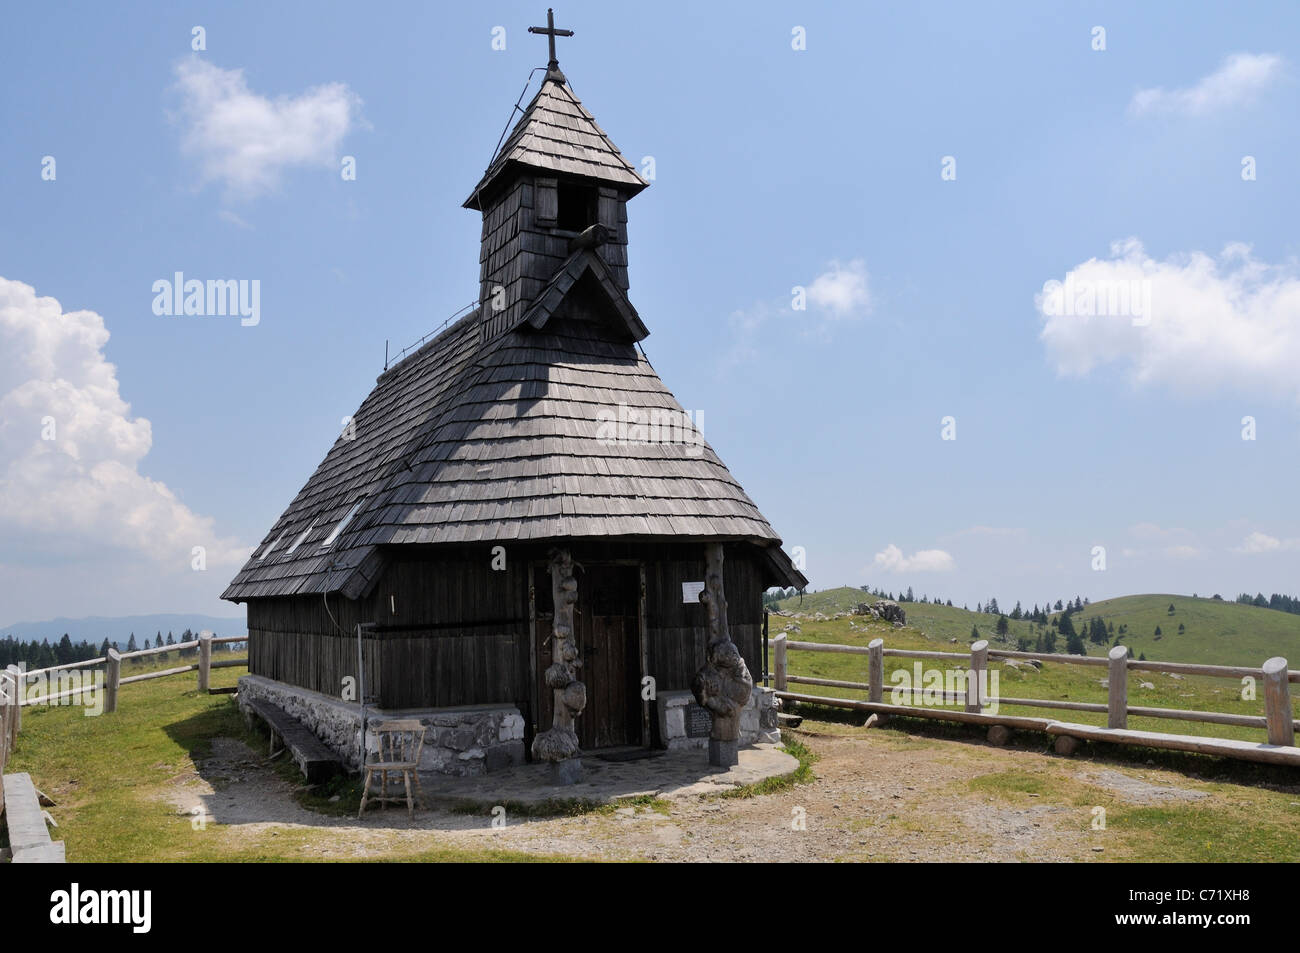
464,741
758,724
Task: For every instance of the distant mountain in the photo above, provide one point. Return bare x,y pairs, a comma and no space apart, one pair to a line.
118,629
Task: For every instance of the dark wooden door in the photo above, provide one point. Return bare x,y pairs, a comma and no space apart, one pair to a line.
606,630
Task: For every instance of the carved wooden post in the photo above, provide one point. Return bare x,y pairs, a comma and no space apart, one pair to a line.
779,663
205,660
112,679
975,678
1277,703
559,743
1117,688
876,670
723,685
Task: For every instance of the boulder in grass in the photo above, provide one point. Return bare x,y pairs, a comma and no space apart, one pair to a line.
890,612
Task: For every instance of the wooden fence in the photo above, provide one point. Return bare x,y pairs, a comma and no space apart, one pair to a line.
1278,719
14,681
23,815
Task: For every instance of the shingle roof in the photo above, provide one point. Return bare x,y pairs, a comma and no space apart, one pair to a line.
557,134
513,439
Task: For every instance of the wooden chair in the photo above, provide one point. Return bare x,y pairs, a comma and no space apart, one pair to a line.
400,744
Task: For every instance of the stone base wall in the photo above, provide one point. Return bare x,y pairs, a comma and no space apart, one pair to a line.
758,723
469,740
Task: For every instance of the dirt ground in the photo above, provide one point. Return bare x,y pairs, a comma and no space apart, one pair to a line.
879,795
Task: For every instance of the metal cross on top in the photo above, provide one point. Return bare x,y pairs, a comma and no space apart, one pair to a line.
551,33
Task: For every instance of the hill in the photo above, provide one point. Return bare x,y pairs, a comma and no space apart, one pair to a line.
1215,631
941,623
118,629
1228,633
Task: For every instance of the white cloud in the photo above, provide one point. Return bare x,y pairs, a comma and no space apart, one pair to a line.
1263,543
1237,81
228,216
246,140
841,290
80,496
1195,323
891,559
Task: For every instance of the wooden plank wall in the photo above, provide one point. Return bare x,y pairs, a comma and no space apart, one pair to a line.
455,632
676,637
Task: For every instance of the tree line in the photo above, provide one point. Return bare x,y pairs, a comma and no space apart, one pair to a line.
1276,601
36,654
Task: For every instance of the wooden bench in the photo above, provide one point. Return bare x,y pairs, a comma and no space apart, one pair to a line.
29,838
1225,747
316,761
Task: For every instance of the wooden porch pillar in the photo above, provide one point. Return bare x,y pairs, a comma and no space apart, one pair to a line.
723,685
559,743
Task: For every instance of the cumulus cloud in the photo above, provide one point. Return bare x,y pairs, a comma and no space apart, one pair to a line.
1258,542
245,140
891,559
839,292
70,484
1238,81
1193,322
841,289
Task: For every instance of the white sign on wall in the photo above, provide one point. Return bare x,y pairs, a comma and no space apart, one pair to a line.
691,592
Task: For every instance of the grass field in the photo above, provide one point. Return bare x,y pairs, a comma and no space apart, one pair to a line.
114,779
110,776
934,628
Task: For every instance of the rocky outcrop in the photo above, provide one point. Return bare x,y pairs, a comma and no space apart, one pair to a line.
884,610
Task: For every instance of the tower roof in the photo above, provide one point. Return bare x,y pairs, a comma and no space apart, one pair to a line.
557,134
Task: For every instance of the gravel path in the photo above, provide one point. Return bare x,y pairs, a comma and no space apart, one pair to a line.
878,795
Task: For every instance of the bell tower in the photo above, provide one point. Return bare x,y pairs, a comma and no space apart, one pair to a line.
557,186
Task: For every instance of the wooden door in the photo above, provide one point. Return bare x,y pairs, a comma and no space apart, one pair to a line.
607,634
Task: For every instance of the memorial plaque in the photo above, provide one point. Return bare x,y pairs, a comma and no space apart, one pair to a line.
698,721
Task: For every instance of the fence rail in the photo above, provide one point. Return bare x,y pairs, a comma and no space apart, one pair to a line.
14,681
1278,719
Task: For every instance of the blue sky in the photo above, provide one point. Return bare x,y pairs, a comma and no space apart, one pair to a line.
774,168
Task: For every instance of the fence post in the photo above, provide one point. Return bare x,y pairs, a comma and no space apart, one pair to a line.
767,672
876,670
205,660
778,645
112,679
6,721
979,661
17,692
1277,703
1117,688
4,729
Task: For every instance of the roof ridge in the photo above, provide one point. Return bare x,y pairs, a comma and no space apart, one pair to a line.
451,324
